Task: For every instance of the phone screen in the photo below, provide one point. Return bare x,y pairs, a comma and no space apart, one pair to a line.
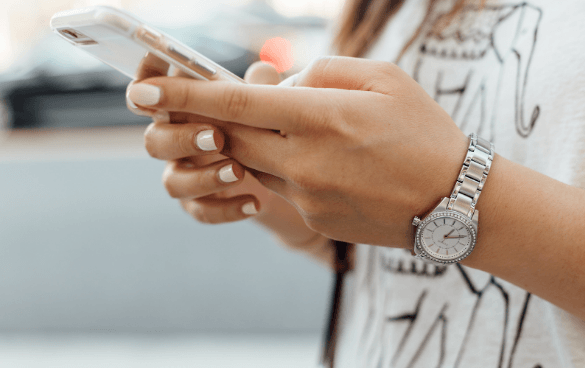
121,41
121,53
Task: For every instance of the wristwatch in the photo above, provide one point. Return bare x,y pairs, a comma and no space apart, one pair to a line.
449,232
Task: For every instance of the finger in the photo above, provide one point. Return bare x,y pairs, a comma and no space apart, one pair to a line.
183,180
246,144
166,141
150,66
222,210
258,149
141,111
201,136
184,118
262,73
269,107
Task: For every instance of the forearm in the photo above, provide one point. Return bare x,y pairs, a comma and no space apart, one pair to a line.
289,227
532,234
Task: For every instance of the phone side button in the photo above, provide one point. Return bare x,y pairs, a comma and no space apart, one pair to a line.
206,68
175,51
148,35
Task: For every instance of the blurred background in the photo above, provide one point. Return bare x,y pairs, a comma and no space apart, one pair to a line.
98,267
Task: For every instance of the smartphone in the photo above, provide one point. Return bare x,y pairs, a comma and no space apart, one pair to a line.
121,40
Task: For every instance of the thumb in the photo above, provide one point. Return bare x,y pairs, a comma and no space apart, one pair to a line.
262,73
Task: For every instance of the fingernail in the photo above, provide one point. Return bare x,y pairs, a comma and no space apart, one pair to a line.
206,142
249,208
144,94
135,109
162,116
226,174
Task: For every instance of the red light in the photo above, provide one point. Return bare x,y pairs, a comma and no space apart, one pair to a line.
277,52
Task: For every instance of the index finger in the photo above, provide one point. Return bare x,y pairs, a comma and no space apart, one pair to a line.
262,106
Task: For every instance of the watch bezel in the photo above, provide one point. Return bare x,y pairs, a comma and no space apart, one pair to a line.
447,213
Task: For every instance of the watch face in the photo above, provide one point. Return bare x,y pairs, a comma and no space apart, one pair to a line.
446,236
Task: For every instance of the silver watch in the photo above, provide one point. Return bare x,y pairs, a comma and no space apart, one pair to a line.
448,234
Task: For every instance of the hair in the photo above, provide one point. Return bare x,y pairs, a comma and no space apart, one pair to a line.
362,22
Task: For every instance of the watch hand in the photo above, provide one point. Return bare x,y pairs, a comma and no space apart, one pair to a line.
455,237
445,236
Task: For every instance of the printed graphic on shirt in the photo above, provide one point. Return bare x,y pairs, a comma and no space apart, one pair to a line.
461,64
454,316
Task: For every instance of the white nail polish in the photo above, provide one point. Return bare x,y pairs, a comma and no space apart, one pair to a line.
144,94
226,174
129,101
135,109
205,140
249,208
162,116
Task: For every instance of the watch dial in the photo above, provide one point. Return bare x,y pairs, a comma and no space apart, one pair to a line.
446,238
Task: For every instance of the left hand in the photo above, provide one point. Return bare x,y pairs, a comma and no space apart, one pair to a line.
359,153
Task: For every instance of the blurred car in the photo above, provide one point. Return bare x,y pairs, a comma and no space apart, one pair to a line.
56,85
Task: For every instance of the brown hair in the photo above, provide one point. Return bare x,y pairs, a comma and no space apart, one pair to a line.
362,21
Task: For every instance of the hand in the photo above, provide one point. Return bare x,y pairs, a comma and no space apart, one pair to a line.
194,175
359,153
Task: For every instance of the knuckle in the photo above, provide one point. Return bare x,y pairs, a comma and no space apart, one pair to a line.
381,74
315,72
183,101
234,103
168,184
173,193
200,214
230,213
321,63
218,215
385,67
184,140
151,144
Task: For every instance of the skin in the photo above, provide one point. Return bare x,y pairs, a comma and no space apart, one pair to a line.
191,175
358,148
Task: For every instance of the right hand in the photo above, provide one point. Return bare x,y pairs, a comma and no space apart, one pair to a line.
194,175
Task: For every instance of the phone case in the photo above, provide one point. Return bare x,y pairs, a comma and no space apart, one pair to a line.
122,41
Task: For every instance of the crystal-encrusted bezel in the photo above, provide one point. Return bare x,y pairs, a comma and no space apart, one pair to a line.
451,214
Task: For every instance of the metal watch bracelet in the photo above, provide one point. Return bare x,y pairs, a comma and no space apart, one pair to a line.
472,177
459,206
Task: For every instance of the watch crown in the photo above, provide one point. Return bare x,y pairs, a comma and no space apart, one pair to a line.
416,221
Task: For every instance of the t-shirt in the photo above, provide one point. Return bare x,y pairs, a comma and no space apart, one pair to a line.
513,73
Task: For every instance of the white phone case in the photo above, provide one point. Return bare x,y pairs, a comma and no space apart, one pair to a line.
121,41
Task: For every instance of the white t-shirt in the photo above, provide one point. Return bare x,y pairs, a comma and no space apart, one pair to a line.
514,73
